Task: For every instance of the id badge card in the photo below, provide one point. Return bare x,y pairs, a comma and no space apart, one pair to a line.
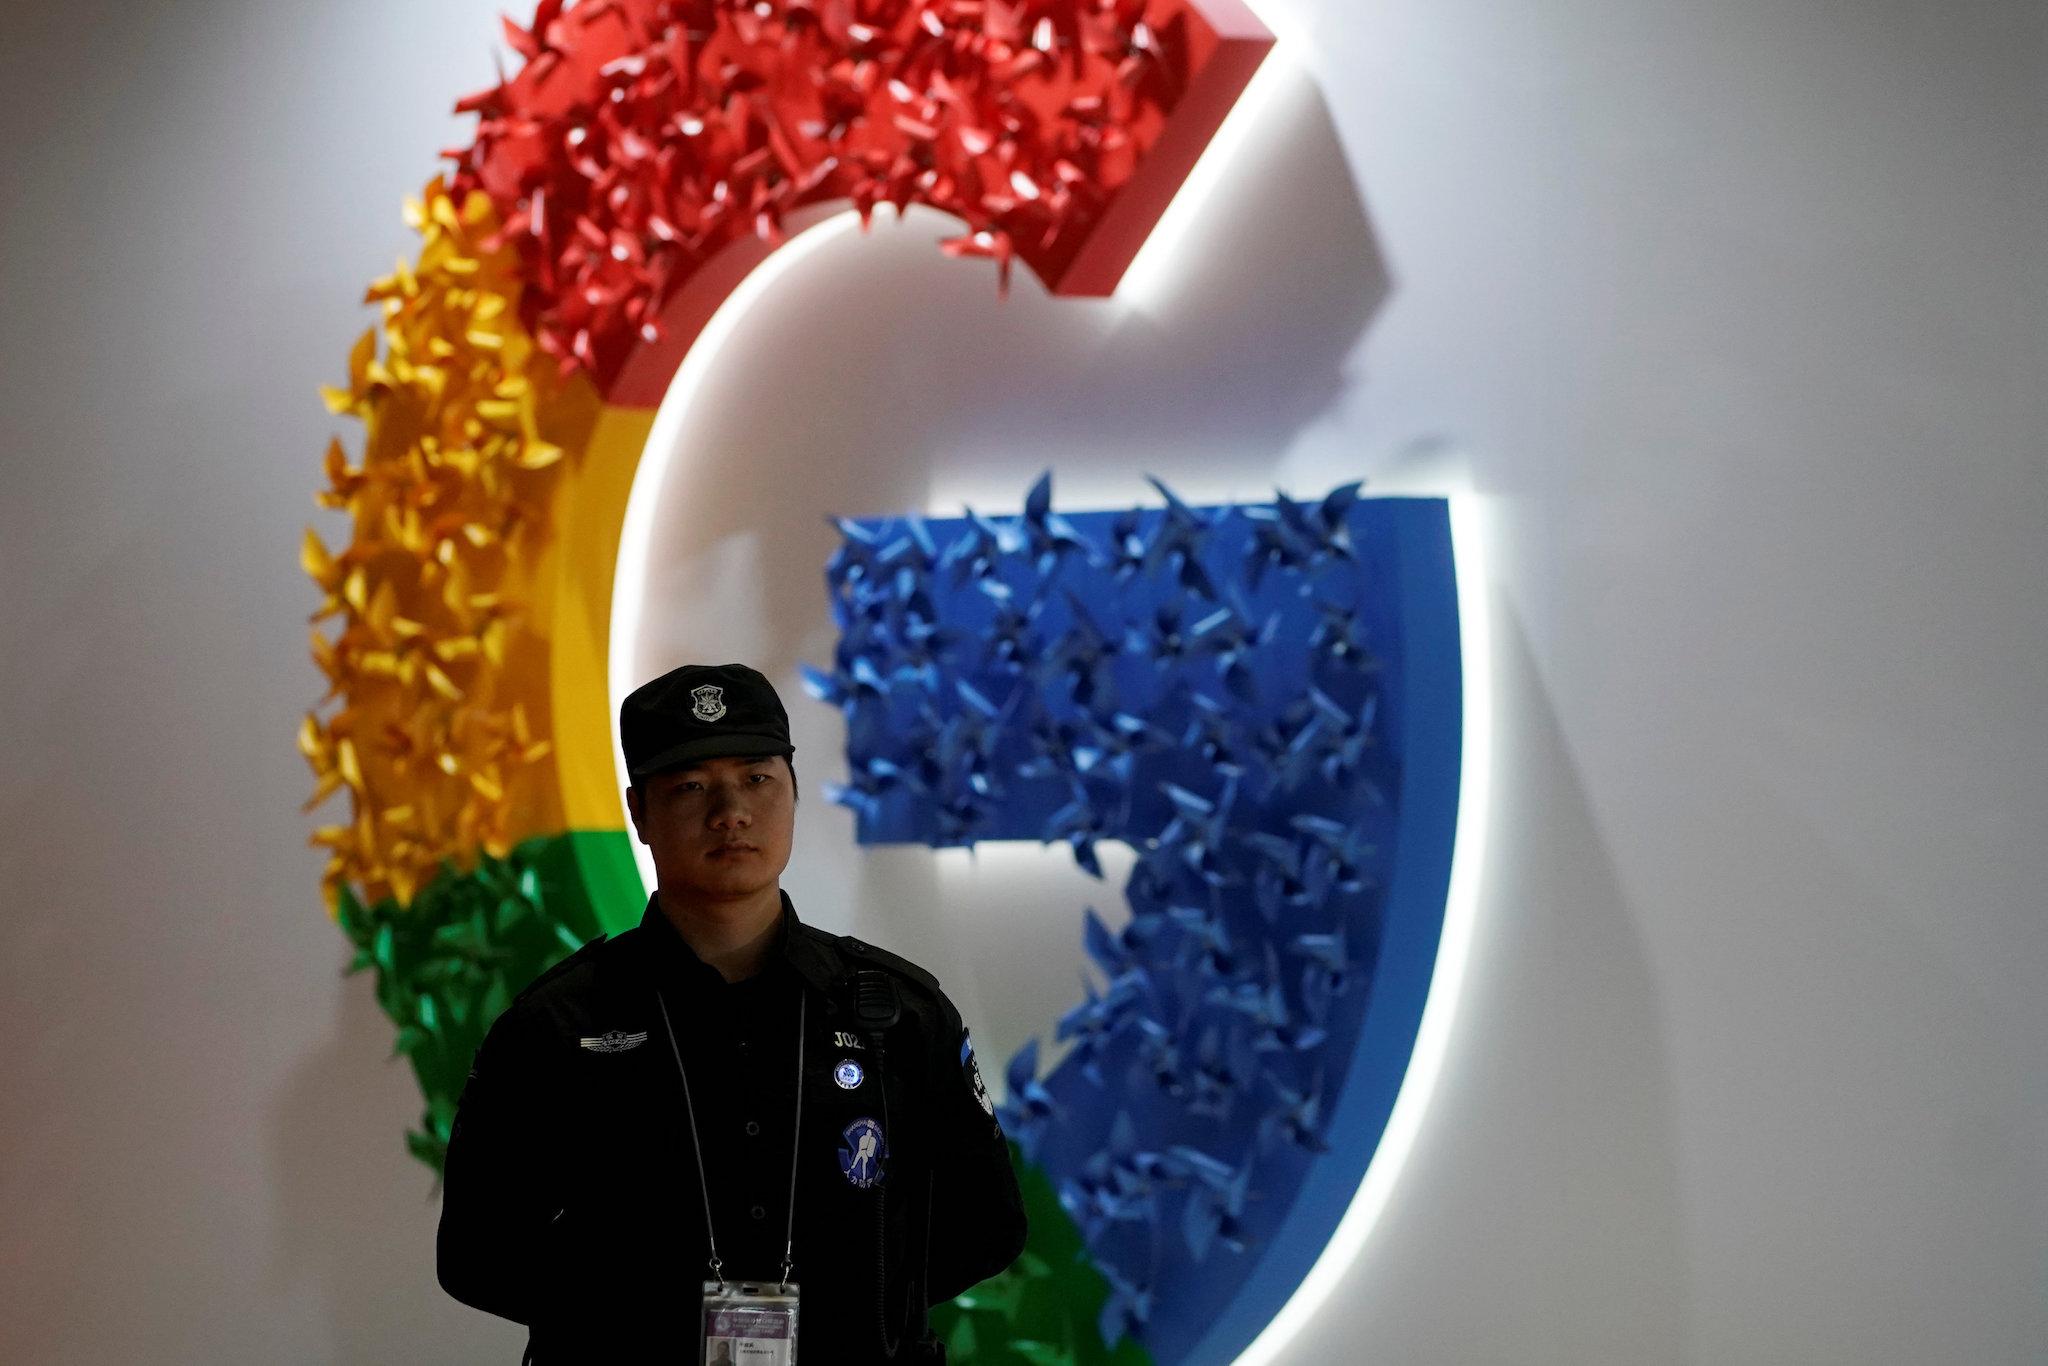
748,1323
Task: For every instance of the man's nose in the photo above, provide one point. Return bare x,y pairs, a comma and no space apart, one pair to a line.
729,808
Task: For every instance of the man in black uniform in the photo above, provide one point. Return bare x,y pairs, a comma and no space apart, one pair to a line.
723,1093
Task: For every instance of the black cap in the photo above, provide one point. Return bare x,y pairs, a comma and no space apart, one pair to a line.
701,711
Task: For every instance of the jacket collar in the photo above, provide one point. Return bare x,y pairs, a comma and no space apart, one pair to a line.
804,950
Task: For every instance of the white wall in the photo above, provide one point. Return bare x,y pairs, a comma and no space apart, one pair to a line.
1735,317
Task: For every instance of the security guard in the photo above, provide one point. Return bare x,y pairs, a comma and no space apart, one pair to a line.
683,1132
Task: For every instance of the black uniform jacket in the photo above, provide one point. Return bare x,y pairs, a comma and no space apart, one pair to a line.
572,1201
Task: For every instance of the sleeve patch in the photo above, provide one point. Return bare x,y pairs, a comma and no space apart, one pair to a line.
973,1071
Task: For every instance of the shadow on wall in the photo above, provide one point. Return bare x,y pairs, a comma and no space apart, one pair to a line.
356,1213
1544,1186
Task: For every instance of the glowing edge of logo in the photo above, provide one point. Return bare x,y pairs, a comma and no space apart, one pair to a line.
1461,904
1145,282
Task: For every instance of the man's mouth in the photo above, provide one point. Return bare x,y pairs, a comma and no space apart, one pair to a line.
725,849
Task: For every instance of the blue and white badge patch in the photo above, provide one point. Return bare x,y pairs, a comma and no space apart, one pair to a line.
861,1151
847,1074
974,1072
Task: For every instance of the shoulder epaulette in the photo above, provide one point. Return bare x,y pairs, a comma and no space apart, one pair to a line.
558,969
863,952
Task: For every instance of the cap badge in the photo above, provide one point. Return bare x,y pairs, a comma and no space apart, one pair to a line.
709,702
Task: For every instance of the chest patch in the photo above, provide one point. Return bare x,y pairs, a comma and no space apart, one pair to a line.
861,1151
613,1041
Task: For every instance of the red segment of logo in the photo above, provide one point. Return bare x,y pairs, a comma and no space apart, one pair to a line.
643,137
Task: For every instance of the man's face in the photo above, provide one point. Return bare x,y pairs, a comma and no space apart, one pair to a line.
719,829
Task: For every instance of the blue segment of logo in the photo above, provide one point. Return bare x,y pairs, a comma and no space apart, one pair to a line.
847,1074
861,1151
1265,702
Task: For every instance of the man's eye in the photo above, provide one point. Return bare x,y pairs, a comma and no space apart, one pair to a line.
759,777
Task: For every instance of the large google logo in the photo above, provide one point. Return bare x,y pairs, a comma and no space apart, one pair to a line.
1275,705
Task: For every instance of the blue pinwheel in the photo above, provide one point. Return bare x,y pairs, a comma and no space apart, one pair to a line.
1158,1056
1198,831
1275,545
909,557
1205,940
1048,537
855,683
1262,1003
870,783
1163,640
1052,742
1027,1107
1114,745
1339,739
1214,1211
1336,637
1212,734
1081,824
1093,1024
1230,635
1126,552
1178,542
1222,1070
1115,953
980,549
924,643
853,561
1296,1116
1327,973
1342,848
1119,1184
1279,882
1083,655
1284,758
968,740
1325,529
1008,640
1127,1310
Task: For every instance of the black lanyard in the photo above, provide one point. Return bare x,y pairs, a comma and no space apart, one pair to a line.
703,1184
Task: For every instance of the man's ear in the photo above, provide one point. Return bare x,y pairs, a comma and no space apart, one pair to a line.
633,810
